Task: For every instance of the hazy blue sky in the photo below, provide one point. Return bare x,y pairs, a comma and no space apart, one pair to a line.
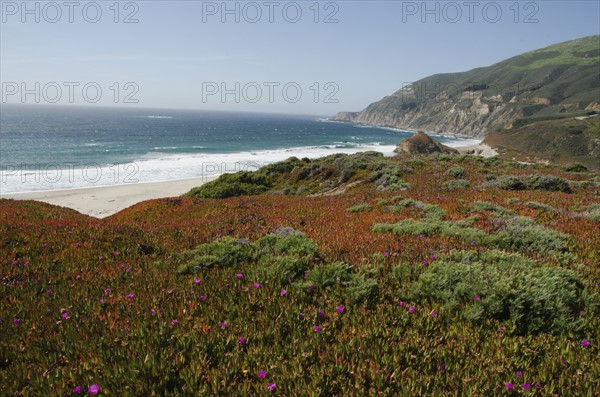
180,53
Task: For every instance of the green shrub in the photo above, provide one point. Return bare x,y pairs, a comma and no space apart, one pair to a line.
456,184
575,167
540,206
360,208
507,182
223,252
430,228
495,209
330,275
548,183
523,234
456,172
508,287
232,185
361,290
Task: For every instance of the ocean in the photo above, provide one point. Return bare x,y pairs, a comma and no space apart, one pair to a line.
59,147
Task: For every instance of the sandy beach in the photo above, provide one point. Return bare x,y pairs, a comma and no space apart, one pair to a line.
480,149
101,202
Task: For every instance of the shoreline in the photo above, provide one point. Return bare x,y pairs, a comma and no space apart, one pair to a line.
103,201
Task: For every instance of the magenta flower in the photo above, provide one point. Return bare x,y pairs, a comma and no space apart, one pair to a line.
272,386
402,304
585,343
202,297
262,374
116,253
239,276
93,389
385,253
16,321
174,322
340,309
317,328
256,285
519,374
509,386
442,367
128,270
526,386
477,297
241,341
77,389
502,329
433,313
65,315
101,301
411,309
425,262
152,311
107,291
322,313
223,324
48,292
197,281
283,292
131,296
432,257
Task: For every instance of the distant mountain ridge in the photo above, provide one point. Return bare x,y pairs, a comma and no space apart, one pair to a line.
559,80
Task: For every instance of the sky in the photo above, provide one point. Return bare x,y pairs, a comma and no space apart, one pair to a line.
303,57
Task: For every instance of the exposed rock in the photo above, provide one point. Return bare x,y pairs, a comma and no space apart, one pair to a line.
421,143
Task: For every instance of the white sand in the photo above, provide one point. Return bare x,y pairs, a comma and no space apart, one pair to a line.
480,149
104,201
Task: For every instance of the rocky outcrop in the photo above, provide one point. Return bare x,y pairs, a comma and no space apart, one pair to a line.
421,143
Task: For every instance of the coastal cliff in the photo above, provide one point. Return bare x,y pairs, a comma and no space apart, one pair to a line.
554,82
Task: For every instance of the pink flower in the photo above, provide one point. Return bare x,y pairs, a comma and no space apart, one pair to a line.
128,270
77,389
239,276
585,343
202,297
197,281
241,341
223,324
256,285
322,313
272,386
262,374
526,386
402,304
107,291
509,386
385,253
519,374
340,309
283,292
93,389
425,262
101,301
477,297
433,313
317,328
16,321
152,311
411,309
131,296
65,315
174,322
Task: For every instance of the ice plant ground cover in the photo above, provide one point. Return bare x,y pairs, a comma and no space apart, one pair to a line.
194,296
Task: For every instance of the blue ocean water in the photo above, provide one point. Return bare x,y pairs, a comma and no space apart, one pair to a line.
52,147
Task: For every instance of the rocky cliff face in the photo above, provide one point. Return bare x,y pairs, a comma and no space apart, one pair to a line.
541,84
471,114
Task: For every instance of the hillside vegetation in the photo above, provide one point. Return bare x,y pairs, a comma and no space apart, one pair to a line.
347,275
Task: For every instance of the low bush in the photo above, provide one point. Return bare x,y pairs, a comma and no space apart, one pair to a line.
456,172
505,287
456,184
360,208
